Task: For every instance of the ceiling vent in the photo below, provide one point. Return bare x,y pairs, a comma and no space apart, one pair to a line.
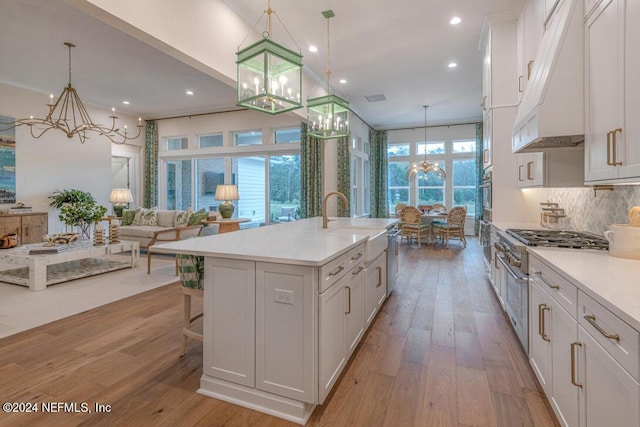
376,98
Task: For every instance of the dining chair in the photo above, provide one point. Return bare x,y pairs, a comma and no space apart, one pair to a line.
454,227
438,207
399,208
424,208
411,225
191,270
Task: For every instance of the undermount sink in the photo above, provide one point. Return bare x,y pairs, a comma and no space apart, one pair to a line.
373,246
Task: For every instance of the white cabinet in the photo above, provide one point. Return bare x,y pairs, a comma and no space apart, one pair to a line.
530,28
498,277
487,138
375,286
586,359
612,141
341,325
559,167
285,335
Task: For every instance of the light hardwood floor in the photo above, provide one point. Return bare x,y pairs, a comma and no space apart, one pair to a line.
440,353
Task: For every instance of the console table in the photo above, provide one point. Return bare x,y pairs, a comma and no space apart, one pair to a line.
30,227
227,225
79,259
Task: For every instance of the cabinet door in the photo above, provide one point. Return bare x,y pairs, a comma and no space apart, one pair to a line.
531,170
10,224
486,141
375,287
539,335
631,168
332,337
603,97
33,228
609,395
354,313
564,394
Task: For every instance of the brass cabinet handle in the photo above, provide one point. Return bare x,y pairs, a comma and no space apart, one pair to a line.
529,171
573,364
358,270
539,274
529,67
591,318
484,155
495,261
613,143
520,79
609,149
541,328
353,258
520,173
397,249
484,103
333,273
348,300
379,276
26,231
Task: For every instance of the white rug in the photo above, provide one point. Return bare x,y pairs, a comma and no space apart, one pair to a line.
21,309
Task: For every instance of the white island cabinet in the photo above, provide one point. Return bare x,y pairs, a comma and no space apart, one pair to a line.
284,308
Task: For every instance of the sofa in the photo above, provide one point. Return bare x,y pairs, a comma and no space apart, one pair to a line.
155,226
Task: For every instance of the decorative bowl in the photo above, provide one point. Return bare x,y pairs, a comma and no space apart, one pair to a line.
59,239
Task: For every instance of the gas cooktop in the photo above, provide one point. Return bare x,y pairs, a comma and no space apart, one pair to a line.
559,239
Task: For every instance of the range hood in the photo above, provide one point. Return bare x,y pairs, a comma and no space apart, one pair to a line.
551,113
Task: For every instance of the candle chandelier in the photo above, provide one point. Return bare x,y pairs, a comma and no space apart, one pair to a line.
328,116
425,165
69,115
269,75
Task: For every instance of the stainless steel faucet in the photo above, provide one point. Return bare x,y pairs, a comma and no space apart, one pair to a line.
325,219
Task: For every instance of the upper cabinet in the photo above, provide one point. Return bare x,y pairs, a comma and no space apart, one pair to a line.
560,167
529,33
499,65
612,64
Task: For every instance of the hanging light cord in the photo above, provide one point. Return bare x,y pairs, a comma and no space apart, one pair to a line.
267,34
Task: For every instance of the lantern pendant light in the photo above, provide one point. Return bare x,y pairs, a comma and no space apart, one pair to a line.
328,116
269,74
425,165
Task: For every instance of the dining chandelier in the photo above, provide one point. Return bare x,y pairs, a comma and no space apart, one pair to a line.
69,115
425,165
269,74
328,116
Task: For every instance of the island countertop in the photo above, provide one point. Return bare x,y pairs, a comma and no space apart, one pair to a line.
302,242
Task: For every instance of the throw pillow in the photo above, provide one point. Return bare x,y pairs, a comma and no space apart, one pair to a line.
182,219
197,217
127,216
146,217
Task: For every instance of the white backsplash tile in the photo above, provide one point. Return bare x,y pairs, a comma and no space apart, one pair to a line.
588,212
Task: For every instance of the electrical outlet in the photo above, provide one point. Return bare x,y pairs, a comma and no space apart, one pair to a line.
283,296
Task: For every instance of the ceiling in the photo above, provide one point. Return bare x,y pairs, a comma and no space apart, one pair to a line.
400,52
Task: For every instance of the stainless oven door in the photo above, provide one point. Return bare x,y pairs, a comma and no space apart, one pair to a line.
517,301
485,241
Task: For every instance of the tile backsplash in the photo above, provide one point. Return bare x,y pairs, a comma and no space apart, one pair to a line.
588,212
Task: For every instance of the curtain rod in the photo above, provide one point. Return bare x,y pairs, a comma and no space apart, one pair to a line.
202,114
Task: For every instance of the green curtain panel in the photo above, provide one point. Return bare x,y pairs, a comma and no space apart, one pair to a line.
344,175
379,162
150,198
479,169
310,174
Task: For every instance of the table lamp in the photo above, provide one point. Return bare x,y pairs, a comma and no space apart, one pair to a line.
226,193
120,197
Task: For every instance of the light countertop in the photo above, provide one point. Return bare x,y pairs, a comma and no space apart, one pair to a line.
503,226
302,242
613,282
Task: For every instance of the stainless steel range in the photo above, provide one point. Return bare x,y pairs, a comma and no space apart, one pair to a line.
511,252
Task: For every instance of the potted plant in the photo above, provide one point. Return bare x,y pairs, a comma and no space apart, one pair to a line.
77,208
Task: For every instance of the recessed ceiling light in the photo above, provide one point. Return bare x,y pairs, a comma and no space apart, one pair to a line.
455,20
189,92
343,81
125,102
313,48
452,65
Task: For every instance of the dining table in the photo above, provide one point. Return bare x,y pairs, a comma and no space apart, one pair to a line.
429,217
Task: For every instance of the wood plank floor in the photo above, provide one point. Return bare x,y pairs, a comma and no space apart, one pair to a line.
440,353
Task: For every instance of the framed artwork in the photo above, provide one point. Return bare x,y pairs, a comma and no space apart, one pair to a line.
7,160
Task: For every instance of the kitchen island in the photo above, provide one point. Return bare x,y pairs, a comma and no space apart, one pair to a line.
285,307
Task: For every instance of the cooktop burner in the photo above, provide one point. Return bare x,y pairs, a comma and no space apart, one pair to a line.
560,239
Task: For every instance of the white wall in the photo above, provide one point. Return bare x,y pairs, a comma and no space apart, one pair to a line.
54,162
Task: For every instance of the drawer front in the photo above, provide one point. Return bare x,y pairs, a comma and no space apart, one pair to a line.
564,292
333,271
620,340
354,256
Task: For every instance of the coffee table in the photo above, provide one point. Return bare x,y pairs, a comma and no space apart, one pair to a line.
79,259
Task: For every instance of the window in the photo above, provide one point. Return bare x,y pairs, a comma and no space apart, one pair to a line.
179,184
212,140
248,174
209,174
247,138
181,143
398,184
398,150
360,200
464,146
464,184
431,147
286,135
284,187
431,187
